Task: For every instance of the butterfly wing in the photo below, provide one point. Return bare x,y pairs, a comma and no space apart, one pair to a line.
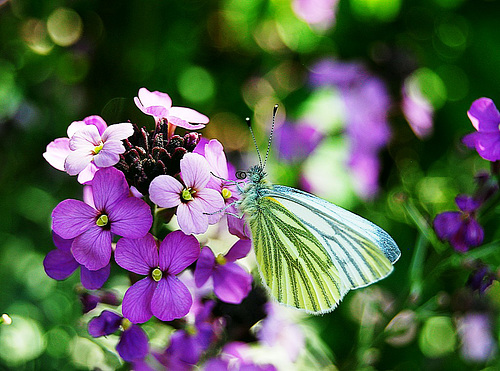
311,252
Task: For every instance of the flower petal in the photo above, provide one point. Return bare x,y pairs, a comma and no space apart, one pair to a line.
137,255
484,115
109,187
109,154
466,203
93,280
216,158
62,243
176,121
165,191
93,248
195,171
59,264
118,132
474,233
87,175
77,161
212,202
85,139
177,252
231,283
136,304
447,224
487,145
133,345
105,324
71,218
130,218
188,114
97,121
154,98
238,226
171,299
56,153
239,250
471,139
191,218
204,266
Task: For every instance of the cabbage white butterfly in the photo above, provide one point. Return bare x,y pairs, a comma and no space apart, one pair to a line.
309,252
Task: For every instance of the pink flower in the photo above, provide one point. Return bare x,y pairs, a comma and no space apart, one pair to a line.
88,146
58,150
159,105
193,199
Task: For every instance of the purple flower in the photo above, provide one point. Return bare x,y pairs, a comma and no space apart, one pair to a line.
193,199
159,105
58,150
231,282
59,264
133,344
481,279
161,293
234,356
92,227
486,120
89,301
417,111
460,228
475,331
88,146
295,142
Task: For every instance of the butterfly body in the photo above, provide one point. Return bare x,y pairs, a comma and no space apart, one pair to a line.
309,252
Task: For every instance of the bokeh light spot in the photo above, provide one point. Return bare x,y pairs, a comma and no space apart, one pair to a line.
437,337
196,84
382,10
34,33
64,26
57,342
430,85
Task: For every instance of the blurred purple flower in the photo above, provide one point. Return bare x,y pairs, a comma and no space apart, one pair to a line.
486,120
295,142
92,227
481,279
89,301
59,264
133,344
367,103
58,150
460,228
475,332
161,293
88,146
233,357
231,282
320,13
159,105
417,111
193,199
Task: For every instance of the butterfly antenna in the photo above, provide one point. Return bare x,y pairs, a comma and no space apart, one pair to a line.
271,134
249,123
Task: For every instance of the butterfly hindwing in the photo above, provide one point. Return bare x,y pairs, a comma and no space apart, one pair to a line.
294,265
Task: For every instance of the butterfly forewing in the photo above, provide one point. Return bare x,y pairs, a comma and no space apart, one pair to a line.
294,264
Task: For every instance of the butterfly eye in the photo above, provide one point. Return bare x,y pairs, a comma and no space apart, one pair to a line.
241,174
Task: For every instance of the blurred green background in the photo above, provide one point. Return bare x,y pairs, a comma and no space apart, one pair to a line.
63,60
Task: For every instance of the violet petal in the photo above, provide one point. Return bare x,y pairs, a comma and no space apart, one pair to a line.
105,324
231,283
484,115
130,218
171,299
195,171
466,203
447,224
137,255
239,250
109,187
93,248
136,304
71,218
177,252
474,233
204,266
133,344
59,264
93,280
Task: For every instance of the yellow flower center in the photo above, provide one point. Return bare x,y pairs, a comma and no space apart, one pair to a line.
187,194
220,259
157,274
102,220
226,193
98,148
126,324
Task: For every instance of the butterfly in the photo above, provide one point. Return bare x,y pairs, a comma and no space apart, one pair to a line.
310,252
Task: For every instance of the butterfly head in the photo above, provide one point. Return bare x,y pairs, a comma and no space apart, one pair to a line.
256,174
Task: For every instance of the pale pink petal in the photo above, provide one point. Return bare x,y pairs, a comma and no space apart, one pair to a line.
183,123
214,153
136,305
92,248
154,98
188,114
85,139
195,171
212,203
171,299
137,255
165,191
56,152
74,127
177,252
109,155
96,121
118,132
87,174
77,161
191,218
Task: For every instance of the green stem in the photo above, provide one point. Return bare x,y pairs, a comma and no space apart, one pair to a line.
416,271
424,228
